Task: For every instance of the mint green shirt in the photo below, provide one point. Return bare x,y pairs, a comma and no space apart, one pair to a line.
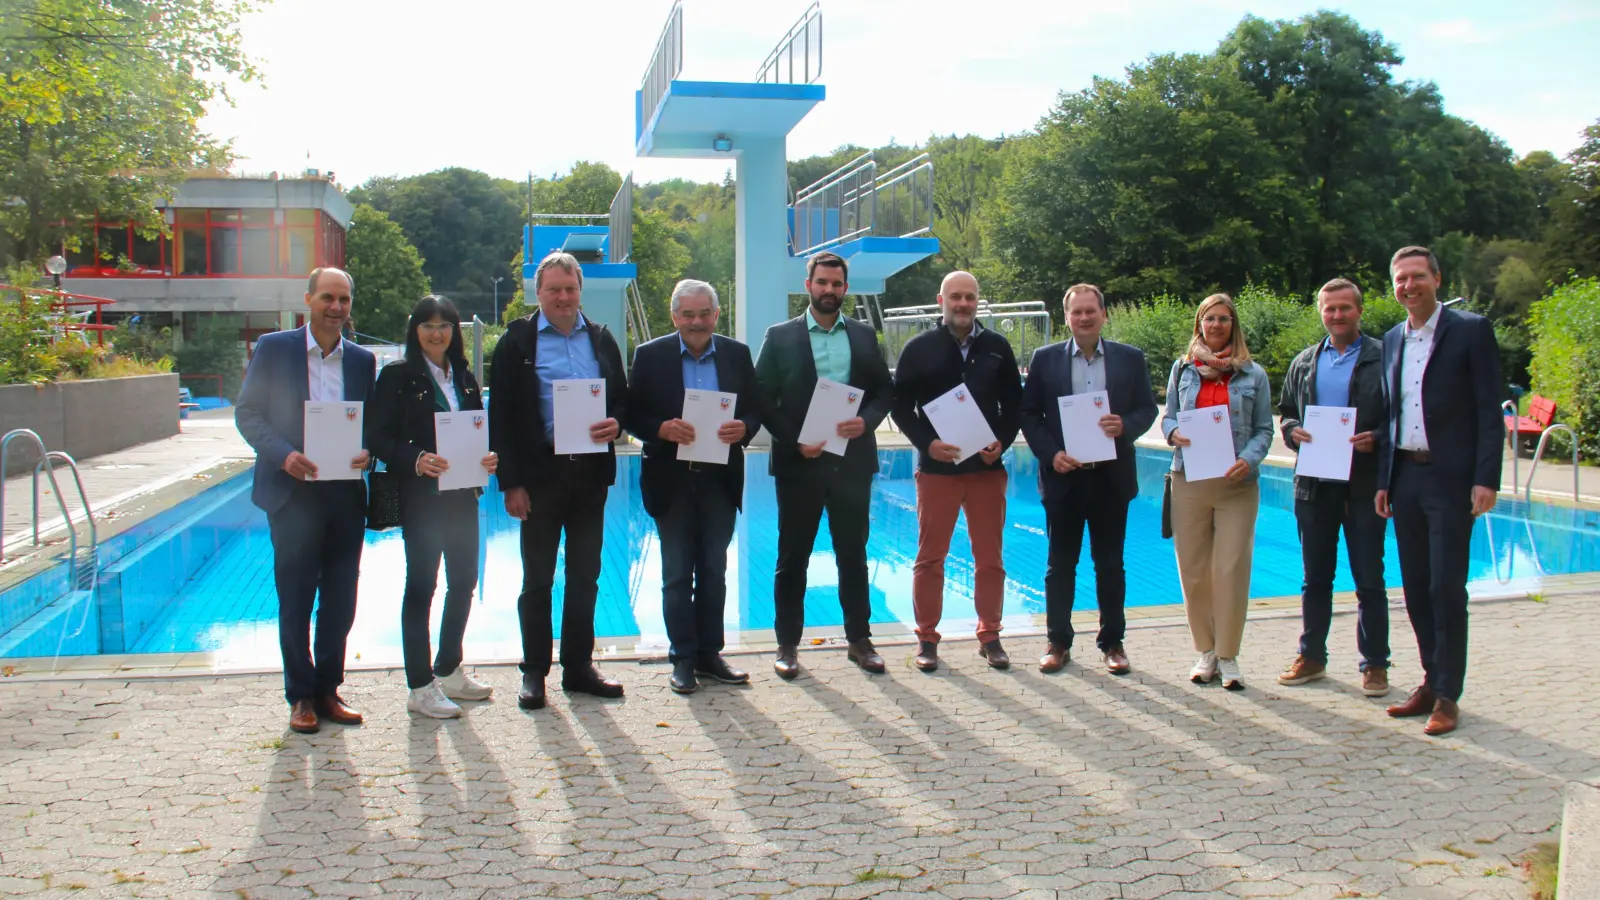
830,349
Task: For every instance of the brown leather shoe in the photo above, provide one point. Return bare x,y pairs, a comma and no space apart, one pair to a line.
927,656
1055,657
1117,661
1375,682
1419,703
1303,671
303,717
995,654
332,708
863,654
1446,715
787,663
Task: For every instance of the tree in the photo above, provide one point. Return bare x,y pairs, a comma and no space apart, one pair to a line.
389,275
100,109
1573,235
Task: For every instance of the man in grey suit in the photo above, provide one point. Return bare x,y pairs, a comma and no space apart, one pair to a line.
1077,493
821,343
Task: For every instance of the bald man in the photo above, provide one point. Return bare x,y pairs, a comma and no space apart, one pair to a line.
959,353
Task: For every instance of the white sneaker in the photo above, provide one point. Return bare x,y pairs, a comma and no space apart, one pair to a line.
458,685
1232,678
429,700
1205,668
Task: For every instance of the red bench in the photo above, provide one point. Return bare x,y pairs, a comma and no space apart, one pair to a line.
1541,412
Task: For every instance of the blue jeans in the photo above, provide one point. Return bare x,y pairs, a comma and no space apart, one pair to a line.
1336,507
695,530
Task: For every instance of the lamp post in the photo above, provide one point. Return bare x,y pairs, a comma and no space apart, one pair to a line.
497,300
56,266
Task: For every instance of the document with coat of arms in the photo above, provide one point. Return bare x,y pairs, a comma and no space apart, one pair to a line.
831,403
1210,451
959,422
462,438
579,403
333,438
1327,454
1081,434
706,411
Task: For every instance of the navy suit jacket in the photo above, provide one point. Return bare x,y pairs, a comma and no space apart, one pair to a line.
272,413
1461,392
655,394
1127,390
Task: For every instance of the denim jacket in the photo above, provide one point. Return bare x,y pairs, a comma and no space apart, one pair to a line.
1249,411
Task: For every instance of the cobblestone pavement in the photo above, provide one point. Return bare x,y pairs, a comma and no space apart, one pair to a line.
969,783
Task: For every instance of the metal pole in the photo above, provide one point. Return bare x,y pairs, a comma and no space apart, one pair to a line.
477,348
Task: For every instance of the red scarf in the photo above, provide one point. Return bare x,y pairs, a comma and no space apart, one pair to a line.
1215,373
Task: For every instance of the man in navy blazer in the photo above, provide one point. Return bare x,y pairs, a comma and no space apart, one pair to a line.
1438,472
694,503
317,527
1076,493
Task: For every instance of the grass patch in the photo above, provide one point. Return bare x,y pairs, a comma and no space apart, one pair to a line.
198,847
1464,854
875,875
1542,864
274,744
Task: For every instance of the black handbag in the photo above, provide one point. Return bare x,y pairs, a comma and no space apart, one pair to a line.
383,500
1166,508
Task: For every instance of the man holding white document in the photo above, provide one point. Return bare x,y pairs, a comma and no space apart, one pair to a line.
957,397
823,374
304,394
557,398
1086,401
1333,403
693,403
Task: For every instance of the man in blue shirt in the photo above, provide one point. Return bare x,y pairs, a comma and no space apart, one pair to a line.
549,492
1344,369
694,503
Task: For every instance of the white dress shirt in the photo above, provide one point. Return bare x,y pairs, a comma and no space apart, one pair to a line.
1088,374
441,377
1413,365
324,374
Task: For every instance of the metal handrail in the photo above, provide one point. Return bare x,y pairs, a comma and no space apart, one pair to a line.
1509,408
619,241
799,34
1539,452
865,157
665,64
636,311
47,460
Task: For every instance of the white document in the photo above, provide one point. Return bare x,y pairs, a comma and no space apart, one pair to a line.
1327,454
1210,451
957,419
463,441
579,403
333,438
1081,435
831,403
706,411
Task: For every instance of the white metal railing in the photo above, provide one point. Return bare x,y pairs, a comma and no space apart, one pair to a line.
665,64
1539,452
1025,325
638,322
46,464
619,243
855,201
904,203
797,59
1509,408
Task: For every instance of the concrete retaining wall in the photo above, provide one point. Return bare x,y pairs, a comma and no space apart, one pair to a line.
87,418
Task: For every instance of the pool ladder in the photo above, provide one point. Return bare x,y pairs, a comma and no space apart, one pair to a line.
84,568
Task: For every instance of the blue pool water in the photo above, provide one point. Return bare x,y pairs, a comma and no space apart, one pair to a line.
226,604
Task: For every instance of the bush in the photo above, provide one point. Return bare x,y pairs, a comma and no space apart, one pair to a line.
215,349
26,355
1277,328
1566,351
1379,313
1160,326
136,340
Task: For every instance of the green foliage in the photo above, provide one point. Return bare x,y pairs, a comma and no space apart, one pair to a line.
1277,328
388,273
101,108
1160,326
215,349
136,340
26,356
1380,312
1566,354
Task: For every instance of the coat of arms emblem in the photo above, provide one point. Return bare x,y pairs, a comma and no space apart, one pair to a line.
477,422
852,396
961,396
1216,415
1099,401
1344,418
350,412
594,389
725,404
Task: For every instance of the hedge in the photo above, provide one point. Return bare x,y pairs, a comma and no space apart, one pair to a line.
1566,354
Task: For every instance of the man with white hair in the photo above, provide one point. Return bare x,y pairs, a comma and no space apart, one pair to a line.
694,503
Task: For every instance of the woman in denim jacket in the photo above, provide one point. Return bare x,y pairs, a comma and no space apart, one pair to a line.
1214,520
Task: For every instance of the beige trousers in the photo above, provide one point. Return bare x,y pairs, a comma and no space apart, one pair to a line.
1214,531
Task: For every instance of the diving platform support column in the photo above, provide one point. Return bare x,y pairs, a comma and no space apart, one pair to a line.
762,268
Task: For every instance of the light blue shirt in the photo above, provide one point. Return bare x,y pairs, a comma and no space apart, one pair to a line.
699,374
972,335
561,356
830,348
1334,370
1088,374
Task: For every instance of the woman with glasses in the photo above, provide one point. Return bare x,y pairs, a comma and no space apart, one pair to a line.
1214,520
432,378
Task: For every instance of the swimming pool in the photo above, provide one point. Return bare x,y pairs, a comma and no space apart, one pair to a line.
205,584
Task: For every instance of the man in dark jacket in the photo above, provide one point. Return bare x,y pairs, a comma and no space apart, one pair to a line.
823,343
694,503
959,353
550,492
1093,494
1343,369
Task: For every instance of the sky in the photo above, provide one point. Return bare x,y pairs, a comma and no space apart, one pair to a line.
396,87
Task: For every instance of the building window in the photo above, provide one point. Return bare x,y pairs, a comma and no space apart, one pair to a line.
213,242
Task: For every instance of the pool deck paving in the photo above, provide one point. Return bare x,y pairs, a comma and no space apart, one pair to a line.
967,783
